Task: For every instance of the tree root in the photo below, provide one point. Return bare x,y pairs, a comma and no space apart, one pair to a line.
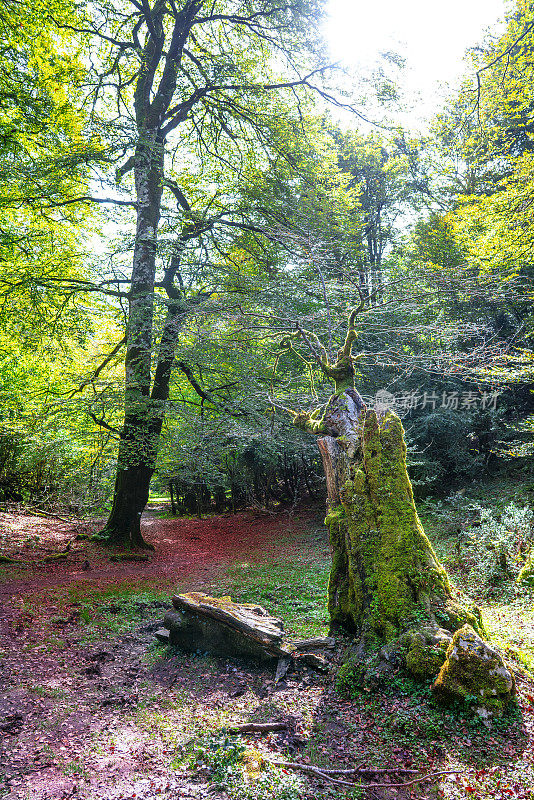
109,537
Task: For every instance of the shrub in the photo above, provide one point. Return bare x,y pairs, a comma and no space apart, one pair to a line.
500,545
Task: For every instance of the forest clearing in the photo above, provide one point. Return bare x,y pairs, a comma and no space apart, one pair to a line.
92,706
266,399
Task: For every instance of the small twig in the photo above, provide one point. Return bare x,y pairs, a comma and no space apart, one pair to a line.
399,770
361,770
309,769
430,776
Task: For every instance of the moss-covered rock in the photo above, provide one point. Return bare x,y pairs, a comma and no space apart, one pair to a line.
426,653
474,673
420,652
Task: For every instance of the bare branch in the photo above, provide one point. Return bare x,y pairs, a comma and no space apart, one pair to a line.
103,424
100,367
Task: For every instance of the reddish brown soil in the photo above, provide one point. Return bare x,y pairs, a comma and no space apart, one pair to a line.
94,711
60,692
183,548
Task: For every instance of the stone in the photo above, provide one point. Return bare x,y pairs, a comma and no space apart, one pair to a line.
321,643
282,668
163,635
314,661
475,673
217,625
427,651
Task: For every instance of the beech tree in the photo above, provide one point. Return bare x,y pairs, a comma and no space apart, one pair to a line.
172,81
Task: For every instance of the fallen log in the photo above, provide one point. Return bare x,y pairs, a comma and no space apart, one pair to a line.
258,727
219,626
40,512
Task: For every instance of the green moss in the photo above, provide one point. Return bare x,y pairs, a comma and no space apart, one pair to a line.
394,577
350,678
344,595
424,659
454,616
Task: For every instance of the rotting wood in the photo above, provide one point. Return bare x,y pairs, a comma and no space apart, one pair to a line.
312,660
251,620
219,626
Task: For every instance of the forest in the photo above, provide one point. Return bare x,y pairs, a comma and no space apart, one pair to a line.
266,410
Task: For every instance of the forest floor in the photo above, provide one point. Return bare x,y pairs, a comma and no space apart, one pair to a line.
91,706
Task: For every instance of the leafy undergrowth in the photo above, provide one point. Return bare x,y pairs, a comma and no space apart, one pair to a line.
93,707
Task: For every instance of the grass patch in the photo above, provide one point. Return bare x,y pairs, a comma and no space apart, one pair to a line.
295,592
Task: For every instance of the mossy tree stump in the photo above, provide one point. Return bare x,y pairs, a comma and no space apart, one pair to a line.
386,582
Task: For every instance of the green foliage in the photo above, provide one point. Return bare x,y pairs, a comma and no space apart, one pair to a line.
497,547
221,755
449,447
228,763
272,216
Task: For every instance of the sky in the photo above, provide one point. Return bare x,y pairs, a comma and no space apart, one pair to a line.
432,36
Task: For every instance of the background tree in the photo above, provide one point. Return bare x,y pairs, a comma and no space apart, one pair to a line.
44,328
179,75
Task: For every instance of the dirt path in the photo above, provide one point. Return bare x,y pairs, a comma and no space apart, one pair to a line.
75,698
183,548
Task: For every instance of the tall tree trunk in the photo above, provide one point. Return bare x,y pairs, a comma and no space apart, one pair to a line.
385,575
140,431
144,407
